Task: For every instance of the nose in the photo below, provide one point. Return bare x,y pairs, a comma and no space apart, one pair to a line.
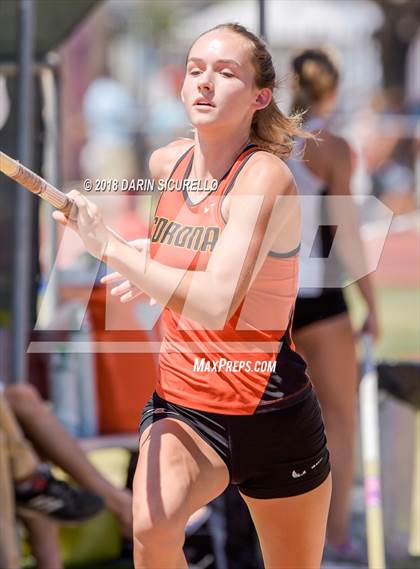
205,84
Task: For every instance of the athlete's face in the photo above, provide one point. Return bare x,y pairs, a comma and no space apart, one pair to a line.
219,88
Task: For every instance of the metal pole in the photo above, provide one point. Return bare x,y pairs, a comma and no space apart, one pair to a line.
50,100
261,17
23,227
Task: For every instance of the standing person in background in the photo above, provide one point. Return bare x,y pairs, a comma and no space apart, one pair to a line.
322,328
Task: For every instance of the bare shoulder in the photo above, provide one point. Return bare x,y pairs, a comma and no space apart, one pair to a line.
335,145
266,173
324,154
163,159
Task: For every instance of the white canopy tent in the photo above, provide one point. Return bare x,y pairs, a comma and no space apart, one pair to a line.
291,21
347,25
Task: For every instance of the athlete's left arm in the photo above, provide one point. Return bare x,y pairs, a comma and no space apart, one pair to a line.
263,206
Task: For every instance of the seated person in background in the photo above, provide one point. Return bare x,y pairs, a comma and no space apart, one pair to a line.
43,539
34,485
54,443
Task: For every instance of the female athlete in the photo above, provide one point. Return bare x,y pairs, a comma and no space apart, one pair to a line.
322,329
233,404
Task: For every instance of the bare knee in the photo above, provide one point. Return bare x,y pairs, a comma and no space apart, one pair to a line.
159,532
22,398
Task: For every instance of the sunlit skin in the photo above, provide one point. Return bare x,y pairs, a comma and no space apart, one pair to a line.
219,67
219,70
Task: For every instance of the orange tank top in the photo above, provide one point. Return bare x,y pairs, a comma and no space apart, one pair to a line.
250,365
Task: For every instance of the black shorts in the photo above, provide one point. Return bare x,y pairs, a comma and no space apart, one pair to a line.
309,310
269,455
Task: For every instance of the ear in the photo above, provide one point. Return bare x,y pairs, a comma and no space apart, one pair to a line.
263,98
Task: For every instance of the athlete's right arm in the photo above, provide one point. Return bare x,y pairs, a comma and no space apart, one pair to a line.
211,296
161,163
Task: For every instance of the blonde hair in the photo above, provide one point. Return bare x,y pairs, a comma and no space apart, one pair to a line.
271,130
316,75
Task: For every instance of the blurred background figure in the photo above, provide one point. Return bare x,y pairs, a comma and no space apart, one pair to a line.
30,416
168,119
390,152
29,489
322,329
112,119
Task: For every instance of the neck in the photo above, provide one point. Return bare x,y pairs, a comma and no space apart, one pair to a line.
322,109
213,155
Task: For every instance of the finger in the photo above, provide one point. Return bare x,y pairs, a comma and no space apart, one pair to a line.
87,209
73,193
122,288
111,277
88,212
60,217
82,201
131,295
63,220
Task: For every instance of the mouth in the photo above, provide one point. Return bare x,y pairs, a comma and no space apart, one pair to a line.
203,103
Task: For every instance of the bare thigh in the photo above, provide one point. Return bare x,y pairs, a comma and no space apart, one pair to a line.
292,530
177,473
329,350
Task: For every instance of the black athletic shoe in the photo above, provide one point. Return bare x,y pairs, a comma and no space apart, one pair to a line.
57,499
